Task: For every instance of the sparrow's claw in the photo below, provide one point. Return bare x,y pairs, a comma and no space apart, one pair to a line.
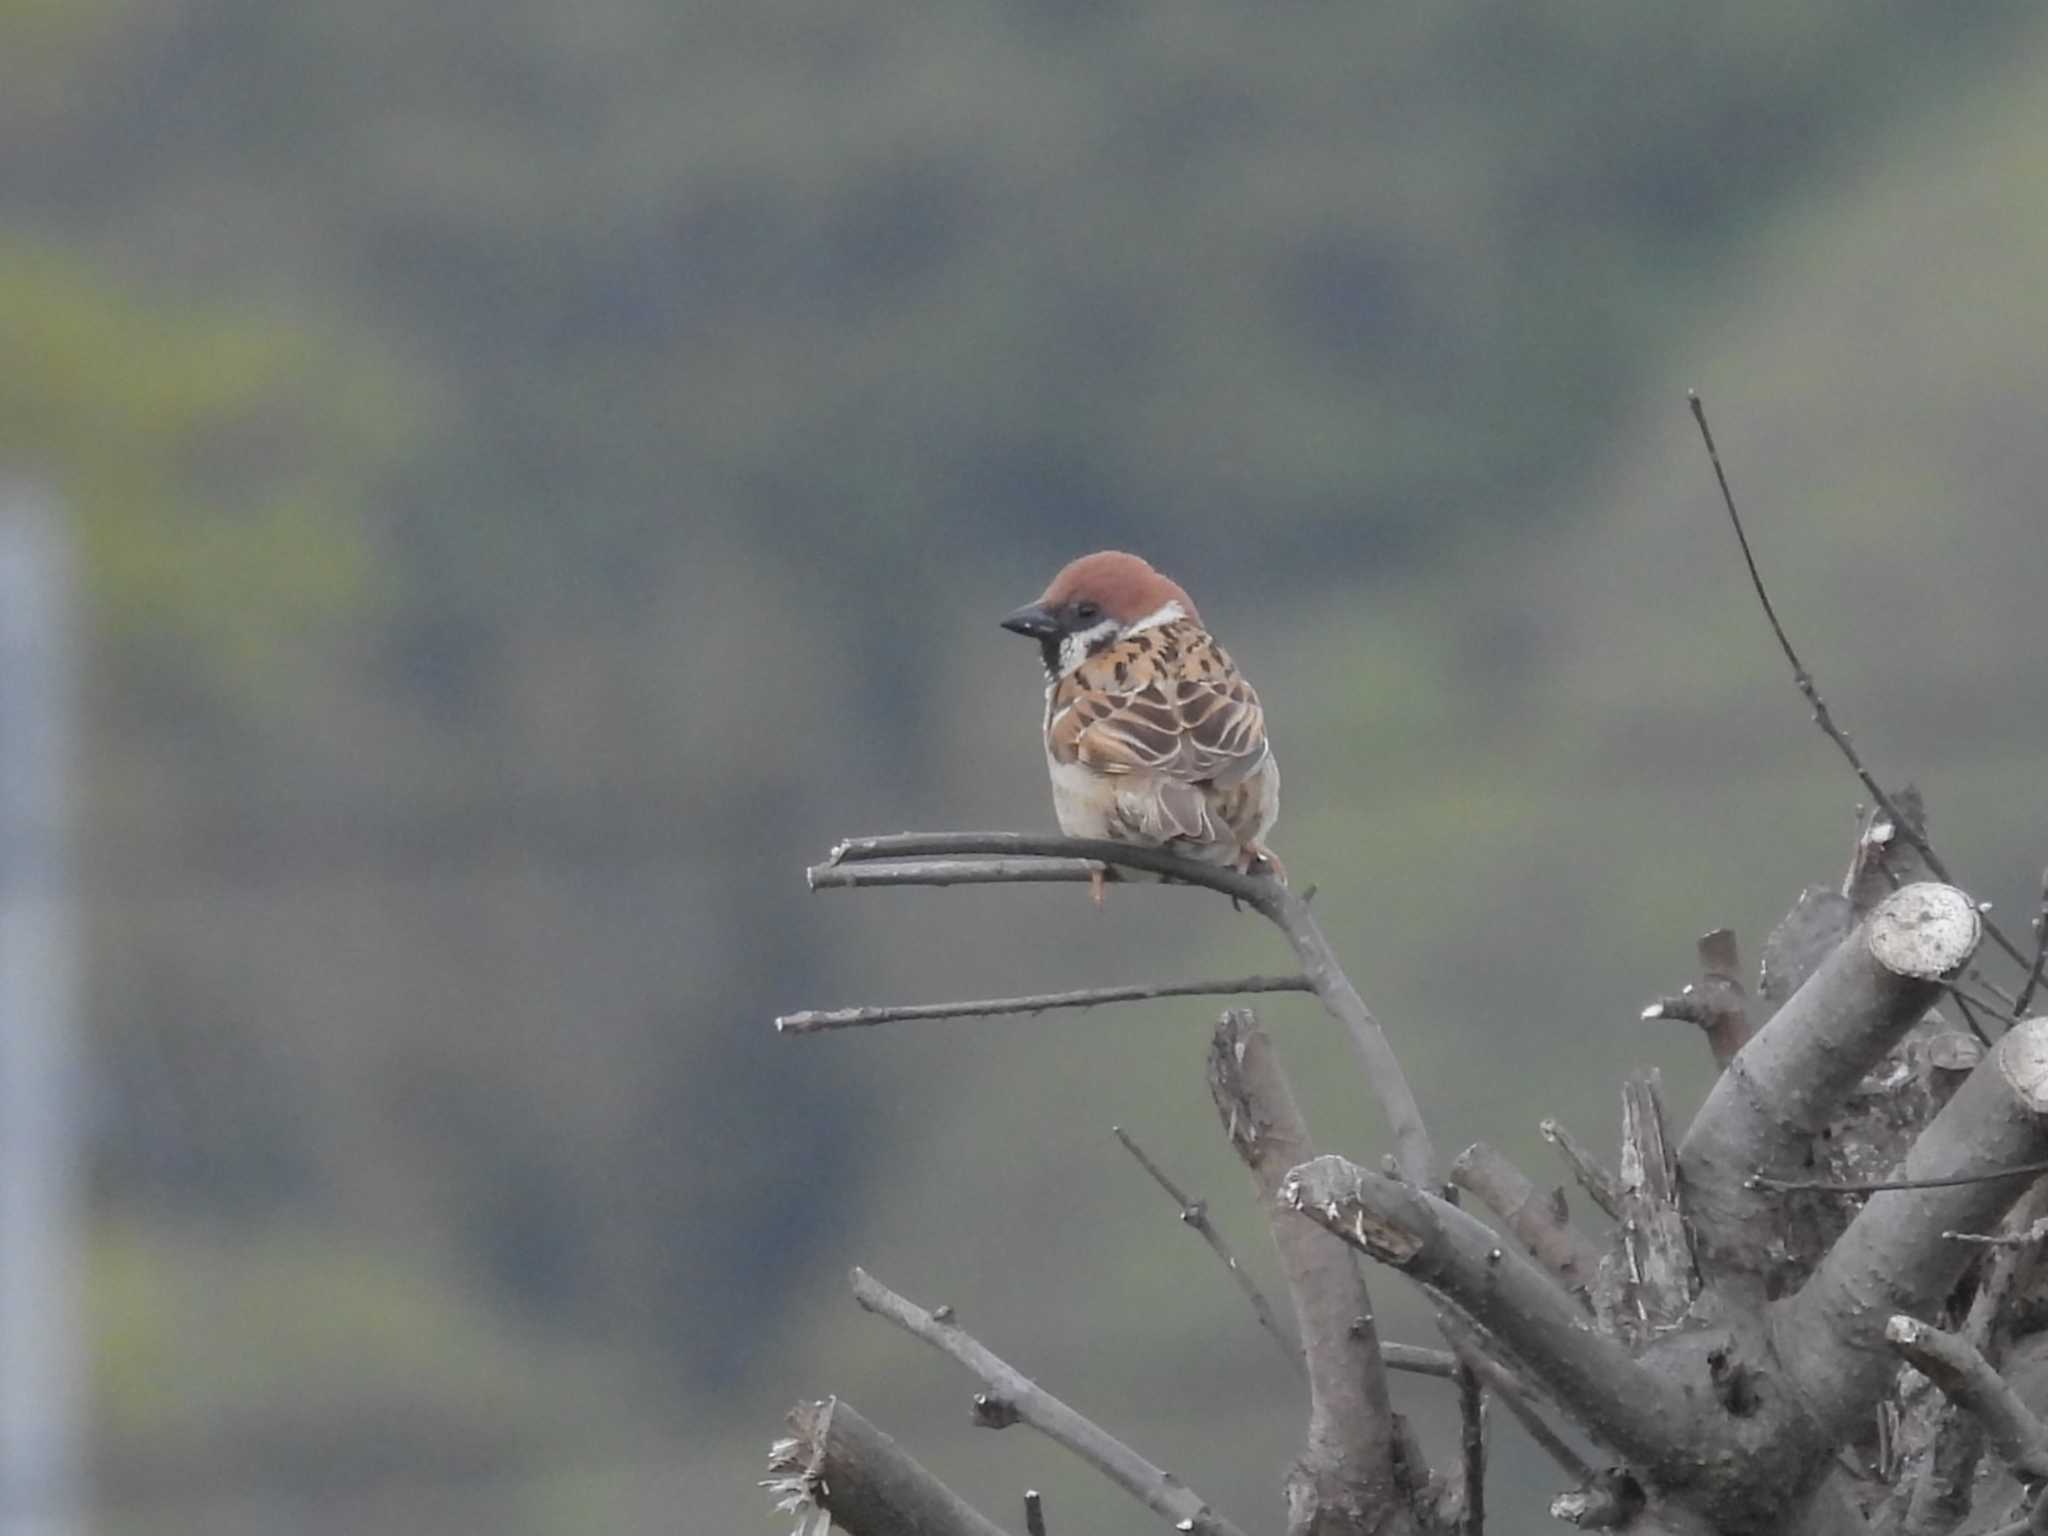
1097,883
1264,861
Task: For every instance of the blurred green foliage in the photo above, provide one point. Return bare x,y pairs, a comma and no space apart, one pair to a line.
213,457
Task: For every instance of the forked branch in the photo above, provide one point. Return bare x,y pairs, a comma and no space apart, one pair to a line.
984,858
1017,1398
1642,1414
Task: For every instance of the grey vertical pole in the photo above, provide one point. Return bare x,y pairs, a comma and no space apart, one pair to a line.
40,1470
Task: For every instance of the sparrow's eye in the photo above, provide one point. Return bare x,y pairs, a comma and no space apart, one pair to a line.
1087,613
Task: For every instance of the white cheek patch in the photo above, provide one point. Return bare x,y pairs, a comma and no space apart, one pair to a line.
1080,645
1159,616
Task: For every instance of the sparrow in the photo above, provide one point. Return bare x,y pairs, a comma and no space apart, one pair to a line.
1152,735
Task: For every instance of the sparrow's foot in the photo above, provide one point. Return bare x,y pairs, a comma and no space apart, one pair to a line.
1097,883
1263,861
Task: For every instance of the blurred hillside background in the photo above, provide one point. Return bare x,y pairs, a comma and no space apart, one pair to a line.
538,474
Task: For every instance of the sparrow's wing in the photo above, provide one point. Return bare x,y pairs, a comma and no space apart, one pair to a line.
1164,701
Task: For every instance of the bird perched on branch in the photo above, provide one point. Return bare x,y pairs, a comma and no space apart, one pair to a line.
1152,735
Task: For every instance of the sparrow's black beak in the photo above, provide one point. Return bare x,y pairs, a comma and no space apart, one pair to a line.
1034,621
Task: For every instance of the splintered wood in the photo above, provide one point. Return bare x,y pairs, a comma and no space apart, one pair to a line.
1648,1285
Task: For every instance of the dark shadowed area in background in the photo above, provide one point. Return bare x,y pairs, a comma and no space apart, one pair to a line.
537,475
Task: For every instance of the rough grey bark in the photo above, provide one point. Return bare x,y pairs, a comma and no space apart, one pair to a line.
1636,1410
1966,1377
1727,1411
1783,1086
1349,1480
836,1464
1540,1220
1894,1257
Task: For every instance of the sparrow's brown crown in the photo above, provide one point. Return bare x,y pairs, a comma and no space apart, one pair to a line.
1123,586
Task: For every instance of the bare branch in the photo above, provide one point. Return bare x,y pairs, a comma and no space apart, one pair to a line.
1512,1390
1195,1214
1083,858
1472,1449
1537,1220
1893,1257
1786,1083
1025,845
815,1021
1633,1408
1347,1479
1417,1361
830,877
2026,997
1804,680
1159,1490
836,1467
1881,1186
1594,1177
1968,1380
2012,1239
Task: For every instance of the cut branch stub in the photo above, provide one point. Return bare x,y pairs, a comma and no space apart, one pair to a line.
1785,1084
837,1465
1717,1003
1643,1414
1896,1256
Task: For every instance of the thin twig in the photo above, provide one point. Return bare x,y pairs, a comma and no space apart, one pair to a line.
1195,1214
1417,1361
1028,845
1880,1186
1159,1490
816,1020
1463,1337
1016,855
2019,1006
825,877
1804,679
1472,1445
1991,1004
1034,1513
1968,1013
2026,1237
1594,1176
